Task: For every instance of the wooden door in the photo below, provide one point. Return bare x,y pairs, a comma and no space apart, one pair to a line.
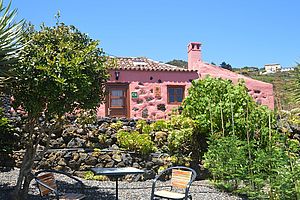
117,104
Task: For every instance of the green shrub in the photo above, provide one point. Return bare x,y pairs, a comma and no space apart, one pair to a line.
117,125
143,127
135,141
89,175
8,140
159,125
246,154
85,117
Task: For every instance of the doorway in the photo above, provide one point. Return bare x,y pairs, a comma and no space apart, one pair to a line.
117,104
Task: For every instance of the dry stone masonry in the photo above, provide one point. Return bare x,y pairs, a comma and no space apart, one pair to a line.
76,149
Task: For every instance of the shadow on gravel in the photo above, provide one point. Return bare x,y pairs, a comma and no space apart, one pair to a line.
91,193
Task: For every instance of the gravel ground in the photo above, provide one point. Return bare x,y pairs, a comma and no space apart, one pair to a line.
105,190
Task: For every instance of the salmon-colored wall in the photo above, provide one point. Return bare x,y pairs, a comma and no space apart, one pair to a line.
148,105
144,83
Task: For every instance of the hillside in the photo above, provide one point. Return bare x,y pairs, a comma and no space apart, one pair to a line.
178,63
283,87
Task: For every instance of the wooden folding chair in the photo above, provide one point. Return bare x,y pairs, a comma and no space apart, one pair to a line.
47,184
182,178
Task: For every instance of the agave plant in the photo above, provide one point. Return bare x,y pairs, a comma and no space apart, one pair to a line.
10,39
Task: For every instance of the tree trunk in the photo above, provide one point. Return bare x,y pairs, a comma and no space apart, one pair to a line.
199,147
25,175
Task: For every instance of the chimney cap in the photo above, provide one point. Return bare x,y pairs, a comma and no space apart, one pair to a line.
194,43
194,46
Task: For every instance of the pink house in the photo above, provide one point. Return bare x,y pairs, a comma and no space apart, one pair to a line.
143,88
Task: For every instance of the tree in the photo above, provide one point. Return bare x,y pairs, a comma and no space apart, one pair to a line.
10,38
60,69
218,107
224,65
178,63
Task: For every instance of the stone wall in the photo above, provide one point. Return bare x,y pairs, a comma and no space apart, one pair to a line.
75,149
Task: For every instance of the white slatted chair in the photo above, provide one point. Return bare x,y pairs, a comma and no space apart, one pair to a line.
47,184
182,178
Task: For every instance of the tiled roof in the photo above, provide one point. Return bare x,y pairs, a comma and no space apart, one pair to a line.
145,64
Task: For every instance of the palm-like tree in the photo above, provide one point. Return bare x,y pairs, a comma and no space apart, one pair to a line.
10,40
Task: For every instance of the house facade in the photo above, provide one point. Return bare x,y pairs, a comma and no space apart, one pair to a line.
142,88
272,68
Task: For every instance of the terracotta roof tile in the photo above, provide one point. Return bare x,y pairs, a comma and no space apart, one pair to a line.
145,64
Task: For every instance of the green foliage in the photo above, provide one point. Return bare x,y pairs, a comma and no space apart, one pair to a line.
177,160
178,63
218,106
85,117
297,83
143,127
246,154
226,159
173,136
89,175
58,67
135,141
181,130
159,125
7,139
260,170
117,125
226,66
10,39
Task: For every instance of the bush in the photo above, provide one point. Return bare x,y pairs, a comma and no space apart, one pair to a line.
181,130
135,141
8,140
246,154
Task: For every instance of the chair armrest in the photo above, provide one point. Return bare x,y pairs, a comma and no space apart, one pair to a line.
47,186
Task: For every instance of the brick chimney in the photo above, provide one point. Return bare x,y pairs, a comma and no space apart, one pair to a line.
194,55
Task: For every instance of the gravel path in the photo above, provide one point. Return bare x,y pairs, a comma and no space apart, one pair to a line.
105,190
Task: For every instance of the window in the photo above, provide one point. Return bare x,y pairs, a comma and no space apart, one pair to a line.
175,94
117,98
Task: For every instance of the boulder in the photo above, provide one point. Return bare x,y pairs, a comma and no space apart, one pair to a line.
73,164
110,164
149,165
76,156
90,160
62,162
80,131
117,157
76,142
136,165
104,157
158,161
127,159
82,157
114,147
68,156
149,174
79,174
121,164
99,165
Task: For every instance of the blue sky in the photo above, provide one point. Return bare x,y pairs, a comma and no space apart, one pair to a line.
239,32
